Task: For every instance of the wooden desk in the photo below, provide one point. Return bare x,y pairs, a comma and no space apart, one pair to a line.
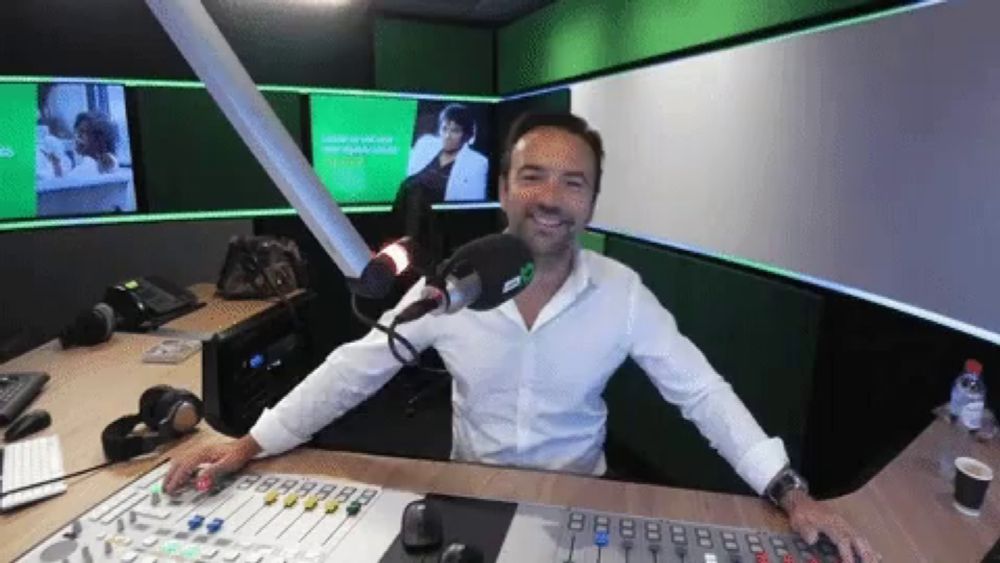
905,510
218,314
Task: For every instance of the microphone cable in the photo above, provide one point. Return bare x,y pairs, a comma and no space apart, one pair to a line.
394,337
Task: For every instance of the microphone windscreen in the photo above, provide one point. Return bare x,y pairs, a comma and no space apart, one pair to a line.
503,263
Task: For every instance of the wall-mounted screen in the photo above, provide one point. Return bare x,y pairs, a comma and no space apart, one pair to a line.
64,150
364,147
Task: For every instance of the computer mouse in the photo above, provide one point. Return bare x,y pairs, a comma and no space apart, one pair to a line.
27,424
461,553
421,529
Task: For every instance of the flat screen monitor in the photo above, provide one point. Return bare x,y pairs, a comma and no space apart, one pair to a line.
64,150
364,147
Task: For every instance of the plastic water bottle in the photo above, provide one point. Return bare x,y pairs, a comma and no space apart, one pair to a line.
965,414
968,396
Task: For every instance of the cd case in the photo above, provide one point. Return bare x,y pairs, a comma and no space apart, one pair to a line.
171,351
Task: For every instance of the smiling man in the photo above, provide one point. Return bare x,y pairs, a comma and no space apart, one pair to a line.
528,375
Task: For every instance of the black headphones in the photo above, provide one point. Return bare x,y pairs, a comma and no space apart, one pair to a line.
166,411
89,328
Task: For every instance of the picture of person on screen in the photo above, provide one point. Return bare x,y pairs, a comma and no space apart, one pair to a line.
53,148
447,166
96,142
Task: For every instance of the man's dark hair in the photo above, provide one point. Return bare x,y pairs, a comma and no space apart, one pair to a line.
102,130
565,121
461,116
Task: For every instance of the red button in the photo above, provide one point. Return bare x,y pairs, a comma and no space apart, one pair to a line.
203,483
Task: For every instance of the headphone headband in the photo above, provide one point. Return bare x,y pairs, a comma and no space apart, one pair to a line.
167,412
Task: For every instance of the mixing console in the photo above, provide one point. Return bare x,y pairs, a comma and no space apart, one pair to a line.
263,518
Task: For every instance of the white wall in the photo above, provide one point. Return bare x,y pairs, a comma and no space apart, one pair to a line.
867,155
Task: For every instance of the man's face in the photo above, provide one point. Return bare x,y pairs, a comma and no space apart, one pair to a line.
452,136
548,193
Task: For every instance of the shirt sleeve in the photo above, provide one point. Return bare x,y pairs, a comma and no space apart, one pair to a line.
684,377
349,375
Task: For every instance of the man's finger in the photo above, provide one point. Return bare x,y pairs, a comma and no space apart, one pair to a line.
845,551
809,533
181,472
865,550
841,538
169,482
219,469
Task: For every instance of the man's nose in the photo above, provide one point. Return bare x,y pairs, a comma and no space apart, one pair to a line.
548,192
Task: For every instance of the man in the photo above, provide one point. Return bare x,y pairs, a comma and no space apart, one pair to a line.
528,375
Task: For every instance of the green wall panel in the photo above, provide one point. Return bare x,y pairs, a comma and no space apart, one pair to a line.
759,334
593,241
193,159
571,38
435,58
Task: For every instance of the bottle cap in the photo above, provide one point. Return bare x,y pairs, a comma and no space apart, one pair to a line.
973,366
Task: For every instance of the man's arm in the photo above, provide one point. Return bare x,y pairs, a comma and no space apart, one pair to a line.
350,374
684,377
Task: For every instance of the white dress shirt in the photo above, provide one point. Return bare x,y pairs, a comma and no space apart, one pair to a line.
532,397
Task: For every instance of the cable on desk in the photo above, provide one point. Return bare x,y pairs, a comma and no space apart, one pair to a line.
57,479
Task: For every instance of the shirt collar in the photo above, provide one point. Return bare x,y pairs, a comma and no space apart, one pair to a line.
579,280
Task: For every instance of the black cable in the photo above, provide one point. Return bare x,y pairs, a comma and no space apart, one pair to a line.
417,364
57,479
394,337
391,333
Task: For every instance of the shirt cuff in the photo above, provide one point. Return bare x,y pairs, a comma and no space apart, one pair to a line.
761,463
271,434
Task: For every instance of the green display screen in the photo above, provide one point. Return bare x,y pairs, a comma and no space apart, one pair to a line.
364,147
64,150
17,150
361,145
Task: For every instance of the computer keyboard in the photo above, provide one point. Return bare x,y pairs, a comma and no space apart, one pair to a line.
27,462
16,391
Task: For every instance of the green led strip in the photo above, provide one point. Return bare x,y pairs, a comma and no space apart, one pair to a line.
206,215
305,90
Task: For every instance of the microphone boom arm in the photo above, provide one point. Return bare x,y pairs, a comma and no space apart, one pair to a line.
201,43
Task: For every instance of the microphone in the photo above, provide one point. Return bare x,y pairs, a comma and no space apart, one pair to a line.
481,275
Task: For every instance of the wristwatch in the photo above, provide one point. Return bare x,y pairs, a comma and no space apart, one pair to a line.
786,480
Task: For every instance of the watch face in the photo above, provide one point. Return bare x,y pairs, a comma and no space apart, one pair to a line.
786,481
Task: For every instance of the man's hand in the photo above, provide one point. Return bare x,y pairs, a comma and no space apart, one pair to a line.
808,518
218,458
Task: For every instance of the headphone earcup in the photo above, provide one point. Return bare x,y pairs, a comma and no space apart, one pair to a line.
167,413
170,411
186,412
149,405
90,327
